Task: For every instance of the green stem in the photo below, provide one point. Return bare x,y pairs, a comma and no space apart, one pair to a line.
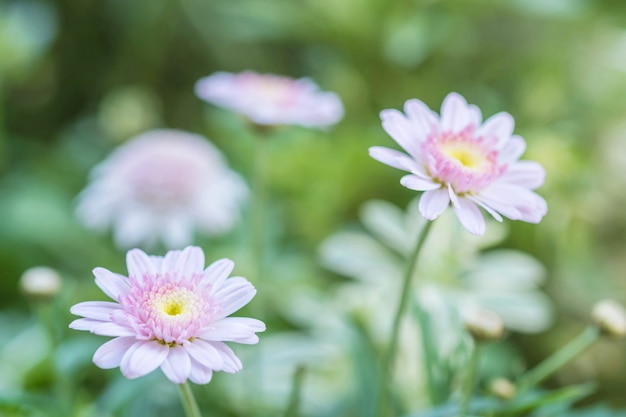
188,400
559,358
296,391
470,379
389,358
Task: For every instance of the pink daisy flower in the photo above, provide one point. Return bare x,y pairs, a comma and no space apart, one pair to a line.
162,185
170,312
268,99
459,159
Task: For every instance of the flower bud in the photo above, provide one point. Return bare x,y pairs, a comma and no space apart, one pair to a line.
40,282
502,388
610,316
483,324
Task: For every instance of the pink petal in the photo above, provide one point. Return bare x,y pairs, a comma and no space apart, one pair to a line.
113,285
470,216
143,358
454,113
413,182
232,363
200,374
139,263
527,174
98,310
216,273
234,329
400,130
177,366
422,118
112,329
512,150
169,261
110,354
205,353
433,203
190,262
499,126
476,117
234,294
487,208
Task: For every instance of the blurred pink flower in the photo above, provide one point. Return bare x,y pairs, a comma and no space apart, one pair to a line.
457,158
162,185
170,313
268,99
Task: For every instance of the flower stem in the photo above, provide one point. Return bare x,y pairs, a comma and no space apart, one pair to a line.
296,392
559,358
470,379
188,400
389,358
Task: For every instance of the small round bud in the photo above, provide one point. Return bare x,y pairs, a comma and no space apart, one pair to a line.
610,317
40,282
483,324
502,388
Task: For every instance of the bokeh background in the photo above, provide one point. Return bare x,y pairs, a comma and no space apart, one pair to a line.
78,78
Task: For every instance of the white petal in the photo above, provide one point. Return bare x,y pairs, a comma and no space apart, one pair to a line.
113,285
234,329
110,354
499,127
112,329
527,174
84,324
216,273
512,150
190,262
98,310
413,182
476,117
433,203
232,363
138,264
389,157
454,113
422,118
143,358
169,261
200,374
470,216
400,130
205,353
234,294
487,208
177,366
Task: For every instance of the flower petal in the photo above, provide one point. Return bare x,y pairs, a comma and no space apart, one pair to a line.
413,182
454,113
422,118
190,262
205,353
177,366
216,273
112,329
234,294
98,310
84,324
470,216
142,358
234,329
113,285
433,203
169,261
475,115
110,354
232,363
389,157
527,174
499,127
400,129
200,374
139,263
512,150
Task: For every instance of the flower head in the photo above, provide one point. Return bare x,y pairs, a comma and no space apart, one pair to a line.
170,312
457,158
268,99
161,185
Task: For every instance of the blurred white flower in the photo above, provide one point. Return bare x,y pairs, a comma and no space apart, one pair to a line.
40,282
268,99
451,270
162,185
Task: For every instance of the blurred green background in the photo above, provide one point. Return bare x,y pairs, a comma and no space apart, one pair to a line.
77,78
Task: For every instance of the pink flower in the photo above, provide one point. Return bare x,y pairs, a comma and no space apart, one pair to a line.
170,313
268,99
163,185
457,158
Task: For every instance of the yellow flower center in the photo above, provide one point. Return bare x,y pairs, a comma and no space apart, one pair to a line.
466,154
